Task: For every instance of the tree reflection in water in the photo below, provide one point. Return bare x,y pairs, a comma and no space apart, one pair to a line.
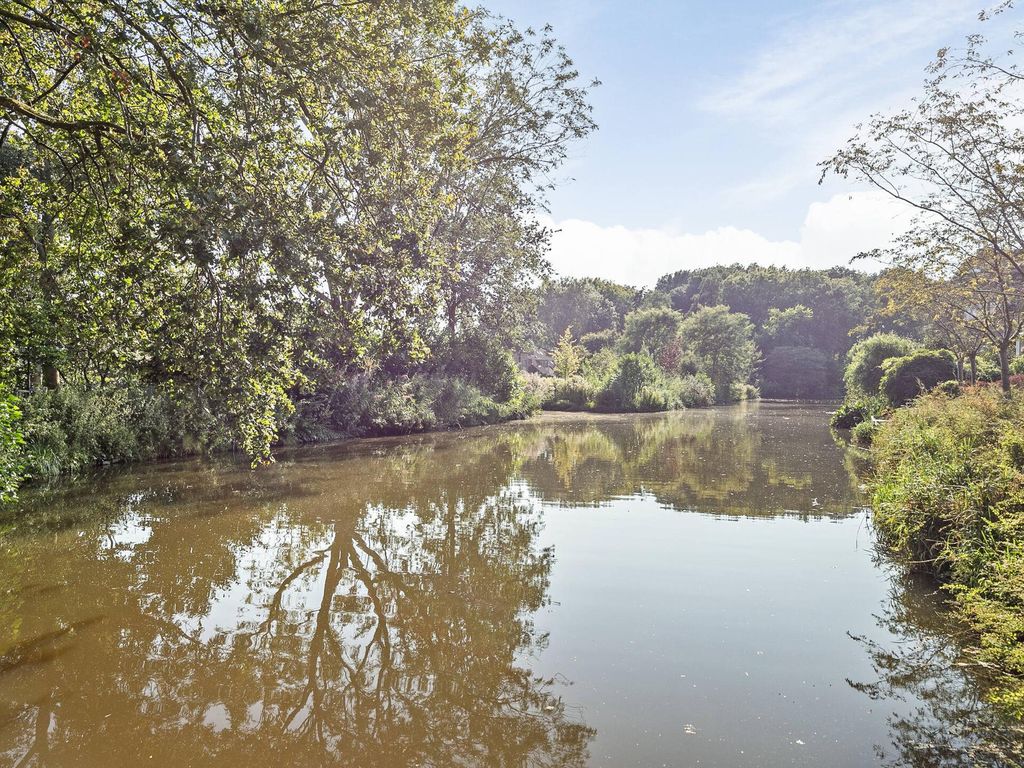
951,726
374,604
377,618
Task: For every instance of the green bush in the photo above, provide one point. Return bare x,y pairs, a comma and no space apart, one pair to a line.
694,391
11,447
853,412
1017,365
572,394
949,492
904,378
367,405
864,432
484,362
635,372
863,372
70,429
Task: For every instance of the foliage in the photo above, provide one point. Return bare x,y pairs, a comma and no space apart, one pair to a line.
651,329
588,305
240,206
904,378
567,356
72,429
574,393
863,372
800,372
949,491
598,340
11,445
722,344
853,412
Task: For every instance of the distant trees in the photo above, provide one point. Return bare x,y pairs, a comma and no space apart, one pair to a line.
800,372
654,329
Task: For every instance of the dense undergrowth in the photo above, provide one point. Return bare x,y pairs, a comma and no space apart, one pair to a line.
53,433
948,491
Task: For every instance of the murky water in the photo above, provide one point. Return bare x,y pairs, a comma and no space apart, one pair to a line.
694,589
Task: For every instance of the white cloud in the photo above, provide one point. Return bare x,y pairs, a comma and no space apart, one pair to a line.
833,232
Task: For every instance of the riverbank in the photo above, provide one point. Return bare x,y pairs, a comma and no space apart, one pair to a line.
948,493
70,432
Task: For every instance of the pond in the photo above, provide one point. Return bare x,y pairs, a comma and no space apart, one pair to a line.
689,589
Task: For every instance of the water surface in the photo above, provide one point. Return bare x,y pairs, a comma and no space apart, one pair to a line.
690,589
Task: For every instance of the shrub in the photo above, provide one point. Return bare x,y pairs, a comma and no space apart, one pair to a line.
740,391
1017,365
636,370
904,378
864,432
949,388
863,372
484,362
570,394
695,390
70,429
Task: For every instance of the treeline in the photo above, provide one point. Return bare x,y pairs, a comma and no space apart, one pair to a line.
737,328
224,225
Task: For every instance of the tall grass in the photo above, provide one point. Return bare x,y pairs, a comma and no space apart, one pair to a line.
949,492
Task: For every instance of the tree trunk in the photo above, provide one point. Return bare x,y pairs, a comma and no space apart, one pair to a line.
51,376
1004,367
974,368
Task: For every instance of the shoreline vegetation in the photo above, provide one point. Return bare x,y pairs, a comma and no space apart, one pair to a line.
946,482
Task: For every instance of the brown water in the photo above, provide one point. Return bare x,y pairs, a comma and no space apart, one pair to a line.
693,589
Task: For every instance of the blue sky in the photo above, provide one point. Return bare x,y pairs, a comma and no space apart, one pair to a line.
712,119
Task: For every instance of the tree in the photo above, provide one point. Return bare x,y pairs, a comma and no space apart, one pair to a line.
567,355
722,342
241,202
654,328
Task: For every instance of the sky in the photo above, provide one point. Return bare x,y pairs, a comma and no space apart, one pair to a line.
713,117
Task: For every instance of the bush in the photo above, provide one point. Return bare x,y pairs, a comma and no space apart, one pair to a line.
904,378
949,388
70,429
863,373
635,372
1017,365
571,394
695,390
949,492
740,391
11,447
367,405
484,362
864,432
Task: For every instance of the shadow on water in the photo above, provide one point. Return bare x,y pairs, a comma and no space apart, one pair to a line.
374,604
